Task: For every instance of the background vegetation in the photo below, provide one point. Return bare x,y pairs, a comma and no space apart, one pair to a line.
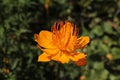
20,19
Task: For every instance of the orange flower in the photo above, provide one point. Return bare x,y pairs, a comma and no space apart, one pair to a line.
61,44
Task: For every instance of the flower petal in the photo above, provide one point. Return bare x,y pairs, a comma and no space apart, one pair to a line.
66,32
45,39
81,62
82,42
70,46
43,57
64,58
51,51
56,57
68,36
77,56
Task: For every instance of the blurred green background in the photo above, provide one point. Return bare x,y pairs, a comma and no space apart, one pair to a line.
20,19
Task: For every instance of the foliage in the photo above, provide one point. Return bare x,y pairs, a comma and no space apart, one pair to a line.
20,19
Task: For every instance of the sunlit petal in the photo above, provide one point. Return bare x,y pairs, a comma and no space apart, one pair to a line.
43,57
45,39
70,46
64,58
77,56
66,33
51,51
56,57
82,42
81,62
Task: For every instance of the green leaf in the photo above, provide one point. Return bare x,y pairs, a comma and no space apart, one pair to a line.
116,53
97,30
107,27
